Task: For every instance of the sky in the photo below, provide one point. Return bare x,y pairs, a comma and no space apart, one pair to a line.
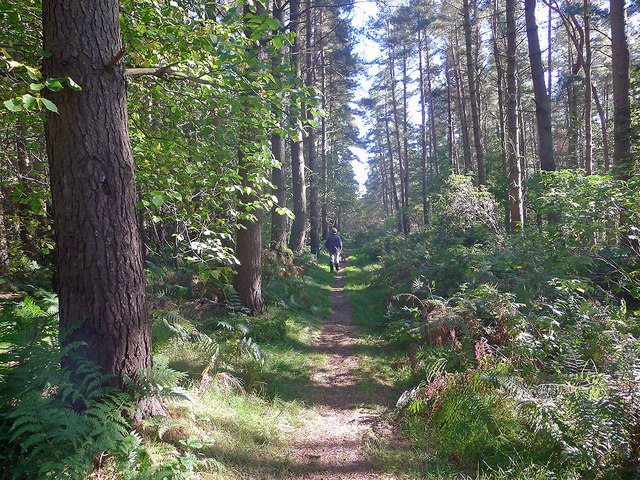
367,50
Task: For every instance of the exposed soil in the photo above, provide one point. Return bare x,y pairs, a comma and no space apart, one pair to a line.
333,447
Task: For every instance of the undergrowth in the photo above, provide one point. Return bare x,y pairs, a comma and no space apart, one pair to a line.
519,355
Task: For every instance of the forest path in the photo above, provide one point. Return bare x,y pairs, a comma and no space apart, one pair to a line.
333,446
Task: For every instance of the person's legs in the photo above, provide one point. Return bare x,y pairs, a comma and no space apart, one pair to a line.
333,261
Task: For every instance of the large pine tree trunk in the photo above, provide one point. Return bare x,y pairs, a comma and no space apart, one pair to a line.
622,159
296,240
278,177
515,183
542,100
248,279
473,95
101,284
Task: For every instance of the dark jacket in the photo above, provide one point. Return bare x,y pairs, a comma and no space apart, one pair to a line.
333,243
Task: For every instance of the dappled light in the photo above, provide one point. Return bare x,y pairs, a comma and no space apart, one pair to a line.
299,239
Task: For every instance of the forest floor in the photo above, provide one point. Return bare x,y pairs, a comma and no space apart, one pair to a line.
335,445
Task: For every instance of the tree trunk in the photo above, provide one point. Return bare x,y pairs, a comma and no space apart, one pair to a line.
432,115
323,139
622,159
405,137
278,176
542,99
473,95
603,126
396,124
452,164
588,161
248,279
423,134
101,285
296,241
462,108
515,184
500,79
4,251
310,139
394,188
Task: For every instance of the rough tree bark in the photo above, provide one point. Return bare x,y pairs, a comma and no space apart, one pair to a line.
310,139
101,285
462,109
622,159
423,133
588,160
542,100
278,238
473,94
515,183
298,228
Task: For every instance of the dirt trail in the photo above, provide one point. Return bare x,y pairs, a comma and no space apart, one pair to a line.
333,447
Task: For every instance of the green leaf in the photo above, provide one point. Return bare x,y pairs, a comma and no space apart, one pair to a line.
54,85
12,105
36,87
73,85
28,101
49,105
157,200
277,42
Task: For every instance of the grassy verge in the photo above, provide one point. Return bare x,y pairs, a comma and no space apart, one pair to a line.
240,415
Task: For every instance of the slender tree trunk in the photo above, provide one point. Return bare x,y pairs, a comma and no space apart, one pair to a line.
603,126
394,189
296,241
101,287
549,50
23,209
323,138
473,95
515,184
405,137
310,139
462,109
622,159
278,150
452,164
588,161
432,115
396,123
500,74
542,99
4,251
423,134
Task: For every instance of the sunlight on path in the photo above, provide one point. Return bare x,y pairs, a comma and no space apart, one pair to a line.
333,446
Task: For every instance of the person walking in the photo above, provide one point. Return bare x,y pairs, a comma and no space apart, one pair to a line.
334,246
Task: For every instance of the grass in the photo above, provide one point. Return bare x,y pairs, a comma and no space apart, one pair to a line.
245,425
